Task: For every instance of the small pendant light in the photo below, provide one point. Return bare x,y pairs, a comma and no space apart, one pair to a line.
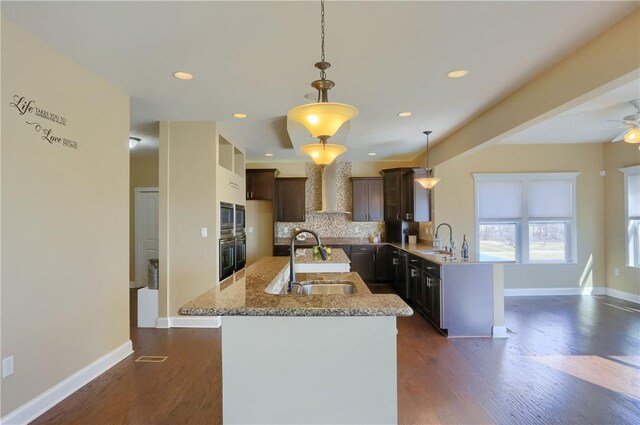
428,182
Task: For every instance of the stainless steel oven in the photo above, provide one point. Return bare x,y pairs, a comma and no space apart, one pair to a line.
227,256
241,250
226,218
240,218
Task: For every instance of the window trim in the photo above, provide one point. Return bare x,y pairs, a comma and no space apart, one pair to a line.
634,170
522,248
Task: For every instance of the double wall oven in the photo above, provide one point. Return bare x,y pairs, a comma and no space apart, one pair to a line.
233,240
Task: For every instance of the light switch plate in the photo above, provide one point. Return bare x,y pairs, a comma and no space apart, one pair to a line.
7,366
617,271
250,229
203,232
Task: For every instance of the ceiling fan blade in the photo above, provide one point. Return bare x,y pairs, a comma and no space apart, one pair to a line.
619,137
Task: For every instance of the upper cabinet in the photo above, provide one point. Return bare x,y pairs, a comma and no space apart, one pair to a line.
261,184
416,205
404,198
290,199
368,199
392,199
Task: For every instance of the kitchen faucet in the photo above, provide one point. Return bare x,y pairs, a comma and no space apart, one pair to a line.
451,243
292,265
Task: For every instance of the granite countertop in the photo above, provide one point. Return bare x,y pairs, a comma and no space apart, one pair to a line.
439,258
310,241
260,290
337,256
410,248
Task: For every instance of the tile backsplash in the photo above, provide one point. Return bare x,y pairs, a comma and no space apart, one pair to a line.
334,224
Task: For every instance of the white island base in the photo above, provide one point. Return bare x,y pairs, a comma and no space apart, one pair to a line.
309,370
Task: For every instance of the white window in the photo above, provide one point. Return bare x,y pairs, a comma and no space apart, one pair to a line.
526,217
632,213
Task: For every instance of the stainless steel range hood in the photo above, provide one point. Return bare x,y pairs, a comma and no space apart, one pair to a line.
330,190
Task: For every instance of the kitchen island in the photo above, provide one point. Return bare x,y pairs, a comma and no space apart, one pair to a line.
289,358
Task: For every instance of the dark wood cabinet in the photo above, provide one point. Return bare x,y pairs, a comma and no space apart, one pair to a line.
382,263
398,271
404,198
368,197
363,261
415,198
261,184
424,284
392,201
290,199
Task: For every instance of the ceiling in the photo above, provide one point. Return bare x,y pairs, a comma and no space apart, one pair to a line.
257,58
594,121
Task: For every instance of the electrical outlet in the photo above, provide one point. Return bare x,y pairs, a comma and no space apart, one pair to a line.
249,229
7,367
616,271
204,232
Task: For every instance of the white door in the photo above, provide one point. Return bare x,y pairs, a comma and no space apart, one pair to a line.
146,223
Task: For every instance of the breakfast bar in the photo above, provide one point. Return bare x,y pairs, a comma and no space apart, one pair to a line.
293,358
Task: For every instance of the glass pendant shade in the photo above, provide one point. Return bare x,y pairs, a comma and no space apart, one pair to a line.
428,182
324,119
632,136
323,153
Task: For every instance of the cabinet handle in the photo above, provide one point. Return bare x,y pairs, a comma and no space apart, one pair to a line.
430,268
251,195
394,262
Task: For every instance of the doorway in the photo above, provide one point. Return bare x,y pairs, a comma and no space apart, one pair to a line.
146,248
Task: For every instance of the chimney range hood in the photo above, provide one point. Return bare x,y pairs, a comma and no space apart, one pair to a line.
330,190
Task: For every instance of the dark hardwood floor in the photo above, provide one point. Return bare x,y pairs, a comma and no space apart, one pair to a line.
568,360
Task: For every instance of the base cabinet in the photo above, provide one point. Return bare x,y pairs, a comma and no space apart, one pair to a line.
363,261
424,285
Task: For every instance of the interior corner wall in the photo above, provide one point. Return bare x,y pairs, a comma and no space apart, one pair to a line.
616,156
143,172
455,198
65,212
187,192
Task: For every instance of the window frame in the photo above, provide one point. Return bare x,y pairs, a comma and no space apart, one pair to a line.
522,227
630,262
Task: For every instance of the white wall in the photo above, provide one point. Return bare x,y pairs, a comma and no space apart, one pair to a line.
455,204
65,219
616,156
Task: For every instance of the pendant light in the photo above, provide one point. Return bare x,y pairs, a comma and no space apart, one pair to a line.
428,182
322,119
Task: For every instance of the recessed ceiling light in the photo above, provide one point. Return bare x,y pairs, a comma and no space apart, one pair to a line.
404,114
458,73
240,115
268,154
372,154
182,75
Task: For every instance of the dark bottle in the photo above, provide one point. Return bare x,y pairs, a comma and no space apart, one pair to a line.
464,250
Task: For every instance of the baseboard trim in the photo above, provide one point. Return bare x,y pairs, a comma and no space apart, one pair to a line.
189,322
54,395
533,292
627,296
499,332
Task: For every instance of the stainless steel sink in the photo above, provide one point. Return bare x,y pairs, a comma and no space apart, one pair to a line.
325,287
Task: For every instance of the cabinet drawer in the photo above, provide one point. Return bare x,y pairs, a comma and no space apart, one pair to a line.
281,250
363,249
431,268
